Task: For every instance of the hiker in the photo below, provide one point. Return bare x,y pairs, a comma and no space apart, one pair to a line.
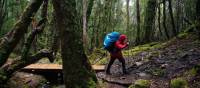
116,53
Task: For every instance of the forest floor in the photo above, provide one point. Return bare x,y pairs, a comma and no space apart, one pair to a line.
178,58
154,65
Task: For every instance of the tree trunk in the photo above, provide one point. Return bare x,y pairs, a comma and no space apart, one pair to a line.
159,24
26,59
85,37
9,43
56,37
2,12
164,19
149,20
128,16
76,68
198,17
89,9
178,15
138,22
172,18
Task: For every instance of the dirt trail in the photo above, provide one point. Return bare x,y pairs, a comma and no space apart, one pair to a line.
159,65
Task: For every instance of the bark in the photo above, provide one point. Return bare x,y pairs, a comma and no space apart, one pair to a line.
128,16
172,18
149,20
26,59
159,24
85,37
76,68
56,37
31,37
138,22
89,9
9,43
164,19
198,17
2,12
38,28
178,15
7,70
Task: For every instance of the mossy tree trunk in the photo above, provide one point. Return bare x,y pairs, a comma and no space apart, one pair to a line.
85,35
149,20
138,22
89,9
76,68
128,15
198,16
172,18
159,23
26,59
164,19
2,12
8,43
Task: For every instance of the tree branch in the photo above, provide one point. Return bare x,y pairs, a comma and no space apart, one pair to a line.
18,31
8,69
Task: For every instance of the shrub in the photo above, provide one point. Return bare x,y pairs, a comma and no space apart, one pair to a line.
178,83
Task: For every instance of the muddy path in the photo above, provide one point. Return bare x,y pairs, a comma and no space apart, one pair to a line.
159,65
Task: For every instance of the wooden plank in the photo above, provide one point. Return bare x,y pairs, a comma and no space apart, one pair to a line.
57,67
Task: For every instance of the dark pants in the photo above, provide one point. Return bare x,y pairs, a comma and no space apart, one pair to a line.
113,57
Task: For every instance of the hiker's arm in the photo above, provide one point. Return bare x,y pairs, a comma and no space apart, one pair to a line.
120,46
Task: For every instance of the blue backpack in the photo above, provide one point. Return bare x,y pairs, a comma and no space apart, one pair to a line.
110,40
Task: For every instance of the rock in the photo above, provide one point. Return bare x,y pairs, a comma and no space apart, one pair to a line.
138,63
144,75
26,80
163,66
117,79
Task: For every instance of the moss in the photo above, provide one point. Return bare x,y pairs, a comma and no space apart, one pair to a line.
193,72
183,35
141,83
157,72
101,84
141,48
190,28
103,61
92,84
97,54
89,82
13,55
178,83
2,75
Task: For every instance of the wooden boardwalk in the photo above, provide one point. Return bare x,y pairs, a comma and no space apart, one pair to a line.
57,67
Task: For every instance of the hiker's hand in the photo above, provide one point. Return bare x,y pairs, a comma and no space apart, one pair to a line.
127,44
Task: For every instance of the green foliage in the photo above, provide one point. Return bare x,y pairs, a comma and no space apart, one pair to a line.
13,55
140,48
3,76
92,84
157,72
98,54
178,83
183,35
141,83
193,72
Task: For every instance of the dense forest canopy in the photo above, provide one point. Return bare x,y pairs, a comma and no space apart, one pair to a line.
71,30
104,16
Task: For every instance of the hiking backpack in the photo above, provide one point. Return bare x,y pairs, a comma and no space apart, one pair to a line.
110,40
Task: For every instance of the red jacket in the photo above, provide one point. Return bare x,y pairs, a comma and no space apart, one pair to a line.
120,44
